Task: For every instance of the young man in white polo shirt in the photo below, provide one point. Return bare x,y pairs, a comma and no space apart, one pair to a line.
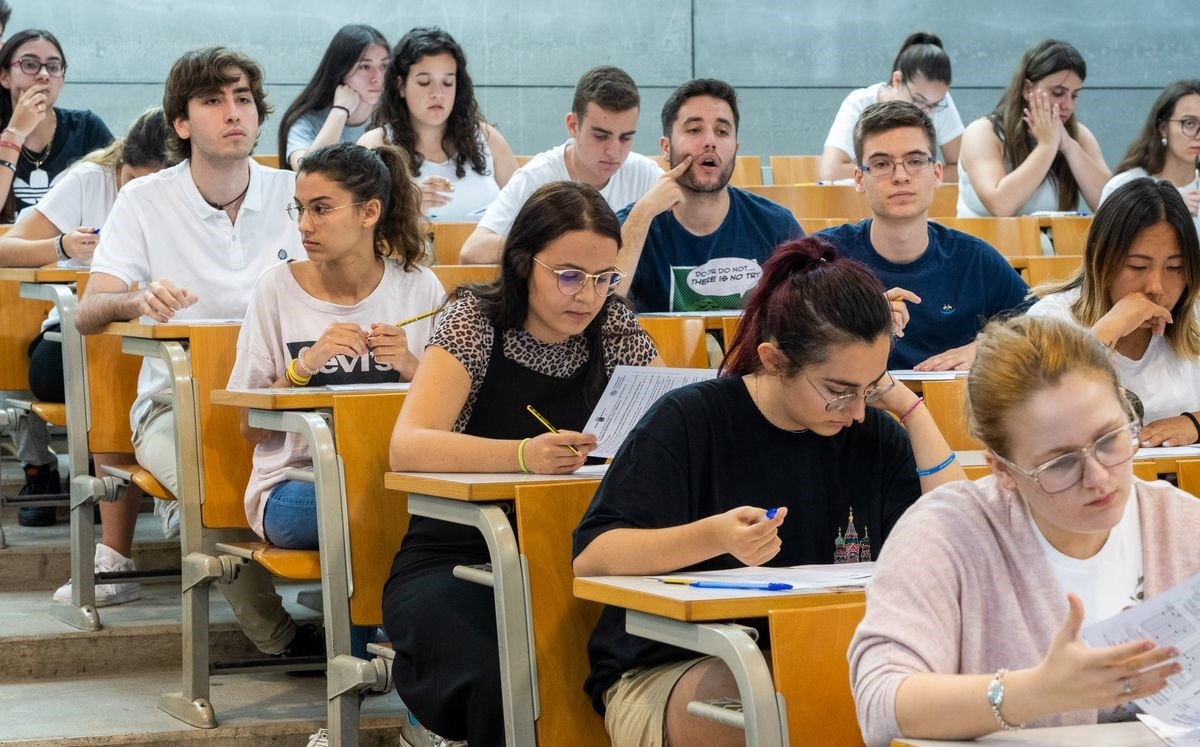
195,237
602,123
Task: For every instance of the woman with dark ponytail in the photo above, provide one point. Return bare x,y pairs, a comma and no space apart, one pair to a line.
921,76
778,462
332,319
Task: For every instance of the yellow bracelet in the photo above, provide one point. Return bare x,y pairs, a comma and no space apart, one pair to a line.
521,456
294,377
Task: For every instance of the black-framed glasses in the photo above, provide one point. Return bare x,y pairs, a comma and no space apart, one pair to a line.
883,167
571,281
55,67
1189,126
1064,472
840,402
929,107
318,212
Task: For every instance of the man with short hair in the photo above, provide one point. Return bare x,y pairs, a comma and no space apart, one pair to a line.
952,282
601,123
196,237
693,243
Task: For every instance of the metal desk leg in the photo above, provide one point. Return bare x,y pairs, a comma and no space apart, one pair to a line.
511,597
764,715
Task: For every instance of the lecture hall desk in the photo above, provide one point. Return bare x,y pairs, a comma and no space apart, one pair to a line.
1129,734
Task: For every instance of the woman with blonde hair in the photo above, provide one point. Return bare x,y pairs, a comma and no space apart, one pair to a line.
974,612
1136,291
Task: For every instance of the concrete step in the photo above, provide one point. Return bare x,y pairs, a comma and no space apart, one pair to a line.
39,558
140,636
270,709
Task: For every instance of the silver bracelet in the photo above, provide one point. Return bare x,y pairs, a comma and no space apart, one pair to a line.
995,696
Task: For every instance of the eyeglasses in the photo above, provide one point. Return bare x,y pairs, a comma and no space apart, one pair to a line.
318,212
32,66
842,402
882,167
570,282
1064,472
1189,126
929,107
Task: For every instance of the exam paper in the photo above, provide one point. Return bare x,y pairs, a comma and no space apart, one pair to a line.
629,394
1169,619
382,386
908,374
801,577
1172,736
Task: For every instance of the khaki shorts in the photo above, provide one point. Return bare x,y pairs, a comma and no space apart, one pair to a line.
636,705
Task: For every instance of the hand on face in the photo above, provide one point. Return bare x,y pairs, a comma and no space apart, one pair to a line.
666,193
1043,119
1132,312
346,96
31,108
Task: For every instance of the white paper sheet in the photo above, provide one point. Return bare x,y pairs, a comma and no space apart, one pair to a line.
1169,619
385,386
801,577
1173,736
629,394
599,470
907,374
1169,452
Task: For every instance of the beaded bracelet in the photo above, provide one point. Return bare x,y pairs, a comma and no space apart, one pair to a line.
909,411
307,372
937,467
295,378
521,455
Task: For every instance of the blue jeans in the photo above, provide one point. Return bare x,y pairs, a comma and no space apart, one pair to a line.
290,521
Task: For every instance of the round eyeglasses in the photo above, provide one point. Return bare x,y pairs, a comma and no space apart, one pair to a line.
882,167
318,212
840,402
1065,472
570,281
55,68
1189,126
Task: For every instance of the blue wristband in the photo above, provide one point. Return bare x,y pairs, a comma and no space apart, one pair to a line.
936,468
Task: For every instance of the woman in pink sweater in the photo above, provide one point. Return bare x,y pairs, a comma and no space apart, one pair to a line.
973,617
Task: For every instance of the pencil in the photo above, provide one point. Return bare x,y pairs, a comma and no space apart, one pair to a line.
549,427
417,318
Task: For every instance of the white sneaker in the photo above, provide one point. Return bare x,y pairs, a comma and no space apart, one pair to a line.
168,513
413,734
107,559
320,738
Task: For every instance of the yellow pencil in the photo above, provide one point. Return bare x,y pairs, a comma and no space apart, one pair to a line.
417,318
549,427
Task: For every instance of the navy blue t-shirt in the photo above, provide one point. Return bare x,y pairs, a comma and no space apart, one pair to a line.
962,281
679,271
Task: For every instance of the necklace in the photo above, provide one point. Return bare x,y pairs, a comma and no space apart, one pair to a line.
38,178
219,206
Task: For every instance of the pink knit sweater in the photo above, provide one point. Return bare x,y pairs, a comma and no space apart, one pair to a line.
962,586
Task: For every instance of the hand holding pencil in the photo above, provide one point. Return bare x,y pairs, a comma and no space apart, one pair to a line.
556,452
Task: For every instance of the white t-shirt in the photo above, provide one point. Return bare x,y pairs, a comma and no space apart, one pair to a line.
161,228
472,193
1166,383
84,196
1125,177
1110,580
304,131
634,179
946,120
1044,198
283,320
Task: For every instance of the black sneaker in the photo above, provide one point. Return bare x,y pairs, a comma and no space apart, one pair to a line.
309,642
39,480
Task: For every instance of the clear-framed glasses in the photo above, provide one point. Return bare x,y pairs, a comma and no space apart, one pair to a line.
883,167
55,67
1189,126
1064,472
840,402
572,281
318,212
929,107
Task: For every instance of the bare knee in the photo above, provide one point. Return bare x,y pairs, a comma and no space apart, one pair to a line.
708,680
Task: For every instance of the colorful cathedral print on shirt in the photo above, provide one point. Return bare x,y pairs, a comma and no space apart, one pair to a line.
848,548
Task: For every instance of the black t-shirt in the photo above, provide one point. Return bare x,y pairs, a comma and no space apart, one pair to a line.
78,132
705,449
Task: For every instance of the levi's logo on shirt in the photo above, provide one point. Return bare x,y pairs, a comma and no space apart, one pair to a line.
344,369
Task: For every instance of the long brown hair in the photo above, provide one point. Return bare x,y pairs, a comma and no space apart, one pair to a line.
1148,151
1044,59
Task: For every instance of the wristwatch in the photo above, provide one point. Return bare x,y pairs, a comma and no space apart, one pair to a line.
995,696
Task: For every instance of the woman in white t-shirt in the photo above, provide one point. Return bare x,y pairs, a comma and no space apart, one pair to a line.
1168,146
337,104
1032,153
920,75
1136,291
331,319
429,109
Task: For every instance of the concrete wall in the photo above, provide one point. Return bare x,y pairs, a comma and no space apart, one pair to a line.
792,62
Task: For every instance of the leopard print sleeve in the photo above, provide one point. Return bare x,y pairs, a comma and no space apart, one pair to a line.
465,333
625,342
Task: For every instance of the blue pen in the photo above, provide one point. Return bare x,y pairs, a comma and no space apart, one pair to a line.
96,231
748,585
771,513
